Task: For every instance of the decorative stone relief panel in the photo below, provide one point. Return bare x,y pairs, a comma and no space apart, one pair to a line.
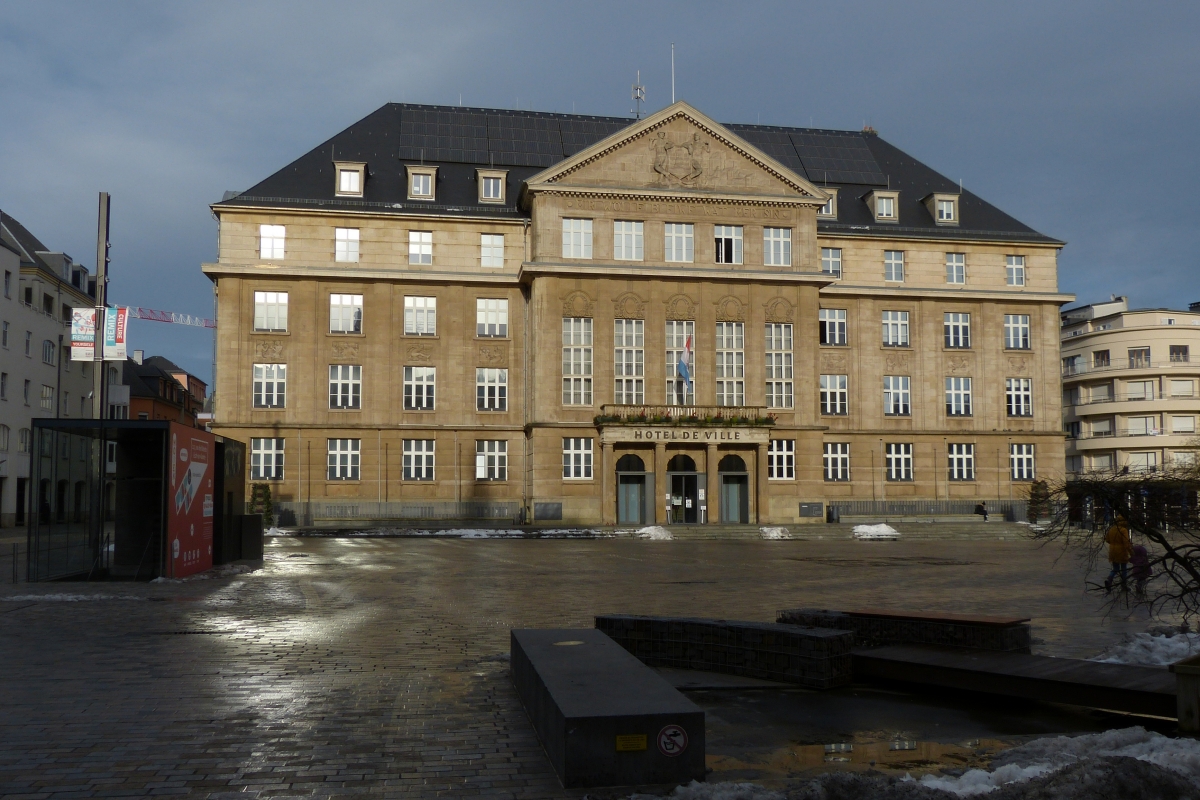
268,348
577,304
730,309
957,364
629,306
420,353
1019,365
833,362
779,310
493,355
345,349
897,363
681,306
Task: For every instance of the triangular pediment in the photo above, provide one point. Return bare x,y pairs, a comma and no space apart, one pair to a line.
678,150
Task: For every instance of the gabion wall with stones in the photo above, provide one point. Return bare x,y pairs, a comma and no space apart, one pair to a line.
817,658
869,630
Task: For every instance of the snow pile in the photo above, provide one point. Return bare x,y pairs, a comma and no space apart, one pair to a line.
222,571
274,531
493,533
656,532
775,533
68,598
880,531
715,791
1151,650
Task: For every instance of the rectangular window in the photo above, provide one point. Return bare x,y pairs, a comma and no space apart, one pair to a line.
893,265
885,208
491,250
4,336
895,329
1179,354
28,343
491,389
266,459
421,185
1099,427
345,386
345,313
629,362
680,244
270,383
491,317
270,311
492,188
1143,462
777,247
731,366
343,459
491,460
1016,331
956,267
958,397
728,243
577,458
576,238
1020,457
957,328
420,316
417,459
780,392
831,261
897,397
627,240
349,182
1101,359
1014,270
835,398
830,207
270,241
961,462
48,349
1139,357
345,243
1182,388
1183,424
1139,390
418,388
945,211
3,385
420,247
836,460
681,377
781,459
832,323
1018,396
7,284
47,402
898,461
577,361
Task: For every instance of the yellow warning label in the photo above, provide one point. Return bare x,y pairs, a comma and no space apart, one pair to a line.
631,741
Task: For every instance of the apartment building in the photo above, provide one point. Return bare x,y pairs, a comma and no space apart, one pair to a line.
603,320
154,388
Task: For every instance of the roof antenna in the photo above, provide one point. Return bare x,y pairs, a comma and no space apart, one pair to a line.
960,185
639,96
460,99
672,73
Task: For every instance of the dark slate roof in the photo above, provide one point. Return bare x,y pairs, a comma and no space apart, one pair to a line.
18,238
460,140
164,364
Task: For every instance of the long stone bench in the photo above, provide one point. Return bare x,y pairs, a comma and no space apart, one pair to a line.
603,717
874,627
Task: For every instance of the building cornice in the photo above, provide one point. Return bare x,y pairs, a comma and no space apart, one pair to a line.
408,212
269,271
649,195
911,234
969,295
533,269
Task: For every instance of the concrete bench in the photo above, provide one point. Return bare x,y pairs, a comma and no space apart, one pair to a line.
882,627
603,717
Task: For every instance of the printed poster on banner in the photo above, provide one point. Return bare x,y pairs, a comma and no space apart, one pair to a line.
83,334
190,513
116,323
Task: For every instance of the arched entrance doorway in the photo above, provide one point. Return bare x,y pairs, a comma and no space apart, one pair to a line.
735,490
683,481
634,490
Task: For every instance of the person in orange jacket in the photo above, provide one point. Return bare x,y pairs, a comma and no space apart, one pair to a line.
1120,548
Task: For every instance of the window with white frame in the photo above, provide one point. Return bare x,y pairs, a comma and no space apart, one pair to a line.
835,397
781,460
491,389
345,244
491,188
1014,270
577,361
1020,458
780,392
491,250
832,322
417,457
958,397
420,247
343,459
728,243
628,240
1143,462
1016,331
893,265
1139,390
271,241
420,185
629,362
345,313
1183,424
47,401
345,386
898,461
895,329
576,238
270,311
681,388
961,458
1018,396
491,317
945,211
266,459
577,458
491,460
419,384
420,316
48,349
830,207
956,267
831,261
957,329
897,395
731,364
885,208
1185,388
270,384
777,247
349,182
680,241
836,460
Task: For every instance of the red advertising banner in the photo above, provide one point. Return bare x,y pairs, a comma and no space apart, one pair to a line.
190,501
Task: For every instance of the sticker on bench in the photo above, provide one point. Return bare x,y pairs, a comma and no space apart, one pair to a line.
672,740
630,742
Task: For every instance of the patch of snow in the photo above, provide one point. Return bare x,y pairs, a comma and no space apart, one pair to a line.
222,571
1151,650
273,531
493,533
880,531
68,598
656,532
716,791
775,533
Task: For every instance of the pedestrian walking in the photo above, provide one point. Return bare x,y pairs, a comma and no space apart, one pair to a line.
1140,570
982,511
1120,549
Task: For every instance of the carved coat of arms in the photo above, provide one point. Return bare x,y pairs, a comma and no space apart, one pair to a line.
678,162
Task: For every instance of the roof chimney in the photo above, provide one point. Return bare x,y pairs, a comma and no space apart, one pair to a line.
138,355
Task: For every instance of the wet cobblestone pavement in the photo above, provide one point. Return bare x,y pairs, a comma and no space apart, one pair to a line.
379,666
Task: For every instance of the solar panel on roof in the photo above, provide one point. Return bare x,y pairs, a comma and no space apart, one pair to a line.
837,158
776,144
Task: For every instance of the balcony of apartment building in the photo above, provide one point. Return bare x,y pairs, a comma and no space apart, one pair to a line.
1135,360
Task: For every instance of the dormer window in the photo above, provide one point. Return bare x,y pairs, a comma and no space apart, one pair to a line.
829,210
884,205
351,176
422,182
491,185
945,211
943,208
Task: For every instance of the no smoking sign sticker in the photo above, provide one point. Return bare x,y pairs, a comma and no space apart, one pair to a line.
672,740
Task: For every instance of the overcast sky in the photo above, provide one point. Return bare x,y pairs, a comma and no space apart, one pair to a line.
1080,119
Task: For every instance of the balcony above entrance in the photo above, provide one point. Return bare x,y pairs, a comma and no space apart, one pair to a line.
688,416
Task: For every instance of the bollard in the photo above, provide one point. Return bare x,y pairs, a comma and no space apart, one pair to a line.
1187,693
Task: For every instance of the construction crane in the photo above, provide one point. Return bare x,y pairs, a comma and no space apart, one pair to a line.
155,315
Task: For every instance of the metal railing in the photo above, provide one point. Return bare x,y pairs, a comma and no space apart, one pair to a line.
12,563
1133,363
292,513
1009,509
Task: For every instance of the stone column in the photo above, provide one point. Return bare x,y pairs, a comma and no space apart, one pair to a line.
763,502
713,487
660,483
608,488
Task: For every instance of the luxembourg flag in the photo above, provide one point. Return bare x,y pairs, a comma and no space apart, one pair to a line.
685,362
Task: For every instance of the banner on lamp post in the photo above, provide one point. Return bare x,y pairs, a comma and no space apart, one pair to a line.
83,334
116,324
